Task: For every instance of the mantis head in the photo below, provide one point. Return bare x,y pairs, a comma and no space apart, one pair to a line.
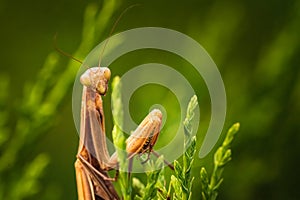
96,78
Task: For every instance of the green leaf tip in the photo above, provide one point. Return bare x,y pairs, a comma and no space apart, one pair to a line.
138,186
230,134
193,103
190,111
115,81
204,176
234,128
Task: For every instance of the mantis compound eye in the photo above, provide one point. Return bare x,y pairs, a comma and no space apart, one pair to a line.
85,79
106,73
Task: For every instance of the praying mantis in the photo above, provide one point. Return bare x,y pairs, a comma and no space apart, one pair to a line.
93,160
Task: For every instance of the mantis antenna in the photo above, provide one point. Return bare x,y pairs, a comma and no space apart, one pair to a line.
63,52
101,54
112,30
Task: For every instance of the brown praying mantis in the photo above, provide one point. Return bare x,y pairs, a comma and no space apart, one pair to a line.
93,160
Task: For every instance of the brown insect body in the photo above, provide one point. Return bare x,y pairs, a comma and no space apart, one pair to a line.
92,161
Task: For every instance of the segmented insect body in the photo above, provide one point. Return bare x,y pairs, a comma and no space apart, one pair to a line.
92,161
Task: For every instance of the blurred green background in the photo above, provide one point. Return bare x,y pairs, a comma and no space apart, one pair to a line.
255,44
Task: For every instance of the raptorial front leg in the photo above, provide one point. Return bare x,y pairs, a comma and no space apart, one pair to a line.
145,135
91,184
143,139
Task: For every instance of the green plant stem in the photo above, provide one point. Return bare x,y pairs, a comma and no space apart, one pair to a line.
119,139
182,181
221,157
